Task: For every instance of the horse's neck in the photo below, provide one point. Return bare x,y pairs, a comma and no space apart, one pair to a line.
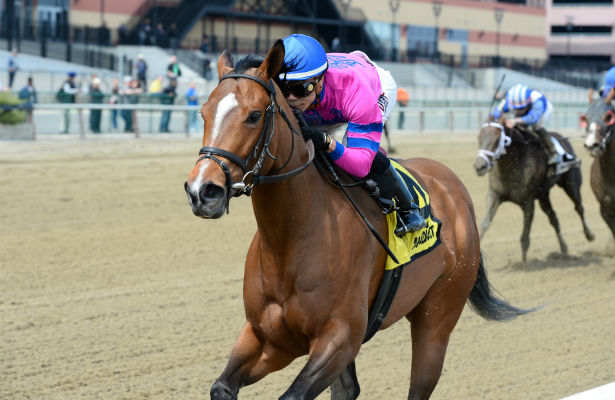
519,166
607,161
285,210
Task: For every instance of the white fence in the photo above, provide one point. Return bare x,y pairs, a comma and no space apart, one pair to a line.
48,118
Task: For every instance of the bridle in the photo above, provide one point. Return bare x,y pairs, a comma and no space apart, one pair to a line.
489,156
260,151
608,132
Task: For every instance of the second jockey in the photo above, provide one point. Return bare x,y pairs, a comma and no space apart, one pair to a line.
337,88
532,109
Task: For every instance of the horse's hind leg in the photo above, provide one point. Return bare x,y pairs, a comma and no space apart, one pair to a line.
346,386
528,216
545,204
572,187
431,323
493,202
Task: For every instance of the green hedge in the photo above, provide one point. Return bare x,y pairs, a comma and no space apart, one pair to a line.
7,115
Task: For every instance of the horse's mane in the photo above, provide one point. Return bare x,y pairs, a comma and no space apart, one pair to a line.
522,136
248,62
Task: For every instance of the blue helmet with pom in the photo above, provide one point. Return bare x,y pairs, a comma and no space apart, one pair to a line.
518,96
609,82
304,58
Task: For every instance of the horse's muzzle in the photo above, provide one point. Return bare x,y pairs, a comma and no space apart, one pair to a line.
480,166
208,201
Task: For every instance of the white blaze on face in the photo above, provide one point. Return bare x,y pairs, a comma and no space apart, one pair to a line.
590,140
224,107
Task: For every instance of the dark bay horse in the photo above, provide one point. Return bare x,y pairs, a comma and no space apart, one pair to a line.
519,173
599,121
313,269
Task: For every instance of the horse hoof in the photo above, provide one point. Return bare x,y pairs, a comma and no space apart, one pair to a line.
590,236
220,391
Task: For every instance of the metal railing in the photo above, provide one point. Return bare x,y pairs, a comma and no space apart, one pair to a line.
415,120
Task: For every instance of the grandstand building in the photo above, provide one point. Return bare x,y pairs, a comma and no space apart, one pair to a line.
581,30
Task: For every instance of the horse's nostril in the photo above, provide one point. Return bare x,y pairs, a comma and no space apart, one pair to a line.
210,193
192,198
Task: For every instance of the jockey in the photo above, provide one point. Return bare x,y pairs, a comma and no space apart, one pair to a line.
532,109
337,88
609,83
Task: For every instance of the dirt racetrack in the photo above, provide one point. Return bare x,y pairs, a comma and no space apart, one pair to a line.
112,289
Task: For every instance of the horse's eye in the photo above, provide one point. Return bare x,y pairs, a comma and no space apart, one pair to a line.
609,118
254,117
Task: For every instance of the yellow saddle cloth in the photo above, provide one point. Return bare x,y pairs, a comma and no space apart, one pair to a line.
414,244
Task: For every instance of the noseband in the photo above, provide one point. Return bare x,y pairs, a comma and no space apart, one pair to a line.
504,141
263,143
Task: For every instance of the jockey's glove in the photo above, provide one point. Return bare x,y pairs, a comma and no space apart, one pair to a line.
320,139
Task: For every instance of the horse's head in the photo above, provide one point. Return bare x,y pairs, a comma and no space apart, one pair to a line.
492,142
240,121
599,124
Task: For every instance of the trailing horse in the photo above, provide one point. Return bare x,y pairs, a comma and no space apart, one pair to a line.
519,173
599,121
313,269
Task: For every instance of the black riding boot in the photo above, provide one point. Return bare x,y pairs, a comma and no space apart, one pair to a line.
411,218
546,138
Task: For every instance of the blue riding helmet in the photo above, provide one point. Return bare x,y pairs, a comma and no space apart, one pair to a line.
72,74
609,82
518,96
304,58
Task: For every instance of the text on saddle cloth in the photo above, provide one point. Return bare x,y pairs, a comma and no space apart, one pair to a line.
415,244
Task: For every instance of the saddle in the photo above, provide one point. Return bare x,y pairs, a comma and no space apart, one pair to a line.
414,244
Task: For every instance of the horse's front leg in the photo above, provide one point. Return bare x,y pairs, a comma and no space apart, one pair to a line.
493,202
330,353
250,360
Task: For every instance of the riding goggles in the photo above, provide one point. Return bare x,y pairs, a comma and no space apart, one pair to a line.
299,90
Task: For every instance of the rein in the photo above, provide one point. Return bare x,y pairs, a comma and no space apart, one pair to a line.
503,142
235,189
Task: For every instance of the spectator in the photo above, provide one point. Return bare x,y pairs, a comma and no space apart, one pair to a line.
125,113
122,34
145,32
155,87
173,70
13,67
205,44
335,45
141,67
96,97
168,98
133,98
173,36
68,94
192,100
160,37
402,101
28,93
207,73
114,99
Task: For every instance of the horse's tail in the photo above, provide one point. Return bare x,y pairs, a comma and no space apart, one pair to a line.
488,306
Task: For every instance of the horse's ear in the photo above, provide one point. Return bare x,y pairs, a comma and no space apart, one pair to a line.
590,95
273,62
609,97
225,64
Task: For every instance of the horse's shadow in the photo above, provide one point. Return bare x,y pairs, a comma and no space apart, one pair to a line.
556,260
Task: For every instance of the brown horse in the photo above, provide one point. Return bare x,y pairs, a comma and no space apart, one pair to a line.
313,269
519,173
599,121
